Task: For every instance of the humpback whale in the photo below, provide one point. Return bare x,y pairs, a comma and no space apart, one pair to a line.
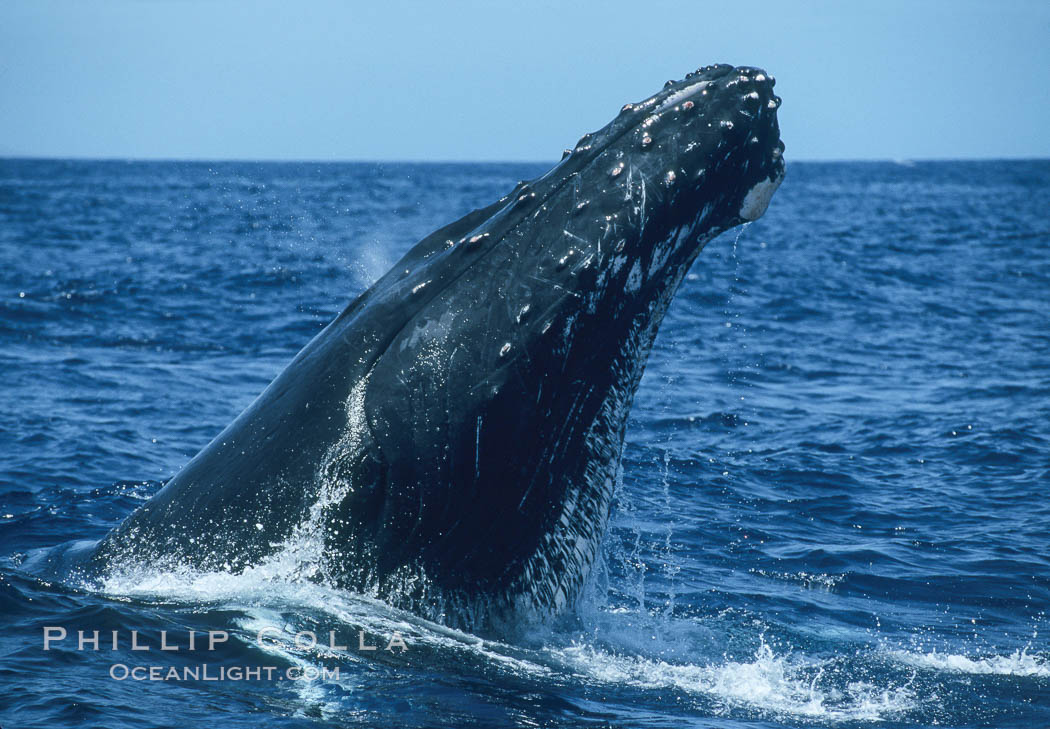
451,441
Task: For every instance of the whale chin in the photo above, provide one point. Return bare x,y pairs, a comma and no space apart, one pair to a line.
756,202
451,441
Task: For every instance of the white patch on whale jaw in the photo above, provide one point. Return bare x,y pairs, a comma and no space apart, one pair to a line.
757,199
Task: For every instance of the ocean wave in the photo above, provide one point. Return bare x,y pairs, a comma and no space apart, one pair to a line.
1019,663
790,685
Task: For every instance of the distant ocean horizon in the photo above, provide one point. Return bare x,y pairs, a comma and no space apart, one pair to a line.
833,509
12,157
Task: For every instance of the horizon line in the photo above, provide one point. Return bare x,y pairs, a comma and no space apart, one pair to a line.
359,160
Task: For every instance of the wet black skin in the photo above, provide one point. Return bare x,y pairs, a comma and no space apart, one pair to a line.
495,366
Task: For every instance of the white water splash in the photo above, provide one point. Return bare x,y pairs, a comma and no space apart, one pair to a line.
808,580
788,685
1018,663
372,261
302,554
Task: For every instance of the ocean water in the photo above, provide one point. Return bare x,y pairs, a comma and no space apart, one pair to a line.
834,510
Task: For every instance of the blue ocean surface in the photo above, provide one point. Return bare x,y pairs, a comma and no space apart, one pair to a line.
834,508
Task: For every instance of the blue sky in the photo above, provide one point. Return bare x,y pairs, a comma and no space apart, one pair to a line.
389,80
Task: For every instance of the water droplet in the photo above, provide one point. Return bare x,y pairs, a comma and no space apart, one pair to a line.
670,177
523,313
581,205
669,84
566,153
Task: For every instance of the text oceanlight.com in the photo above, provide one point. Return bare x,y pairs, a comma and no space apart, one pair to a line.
205,672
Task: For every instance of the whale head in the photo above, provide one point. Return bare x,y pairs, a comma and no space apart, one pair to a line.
499,407
701,155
